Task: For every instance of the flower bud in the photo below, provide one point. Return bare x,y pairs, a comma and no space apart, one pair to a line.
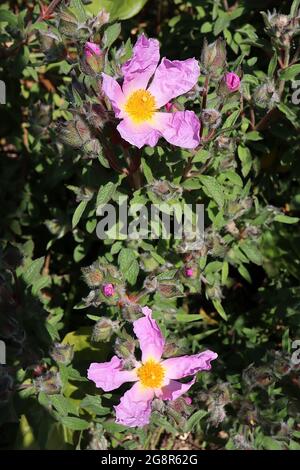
211,118
62,353
213,55
104,329
171,349
214,292
93,275
170,289
241,442
232,81
50,383
74,132
101,19
189,272
94,57
108,290
67,23
124,349
266,95
150,284
165,190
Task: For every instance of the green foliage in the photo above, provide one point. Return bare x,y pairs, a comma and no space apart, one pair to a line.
62,159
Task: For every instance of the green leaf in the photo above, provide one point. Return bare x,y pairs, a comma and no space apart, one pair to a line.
79,10
289,113
63,405
252,252
77,424
118,9
225,270
111,34
218,306
230,121
187,317
129,266
271,444
93,404
159,421
253,135
244,273
33,270
201,156
147,171
290,72
105,193
7,16
78,213
285,219
295,7
194,420
272,64
213,189
246,159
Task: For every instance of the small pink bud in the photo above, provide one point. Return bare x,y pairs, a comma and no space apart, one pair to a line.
91,49
171,108
188,400
108,290
189,272
232,81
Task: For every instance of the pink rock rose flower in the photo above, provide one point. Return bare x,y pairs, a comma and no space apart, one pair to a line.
152,377
232,81
138,101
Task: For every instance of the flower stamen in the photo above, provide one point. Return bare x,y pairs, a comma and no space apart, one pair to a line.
140,106
151,374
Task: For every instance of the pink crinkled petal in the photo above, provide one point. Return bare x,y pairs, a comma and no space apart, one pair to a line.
109,375
114,93
173,78
134,409
181,128
139,69
149,335
138,134
183,366
175,389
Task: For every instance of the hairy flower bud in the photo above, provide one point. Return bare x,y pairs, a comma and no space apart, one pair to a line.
93,58
165,190
67,23
266,95
104,329
62,353
124,349
213,56
50,383
150,283
101,19
75,132
211,118
281,28
93,275
172,349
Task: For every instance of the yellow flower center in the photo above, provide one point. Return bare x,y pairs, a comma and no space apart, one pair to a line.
151,374
140,106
